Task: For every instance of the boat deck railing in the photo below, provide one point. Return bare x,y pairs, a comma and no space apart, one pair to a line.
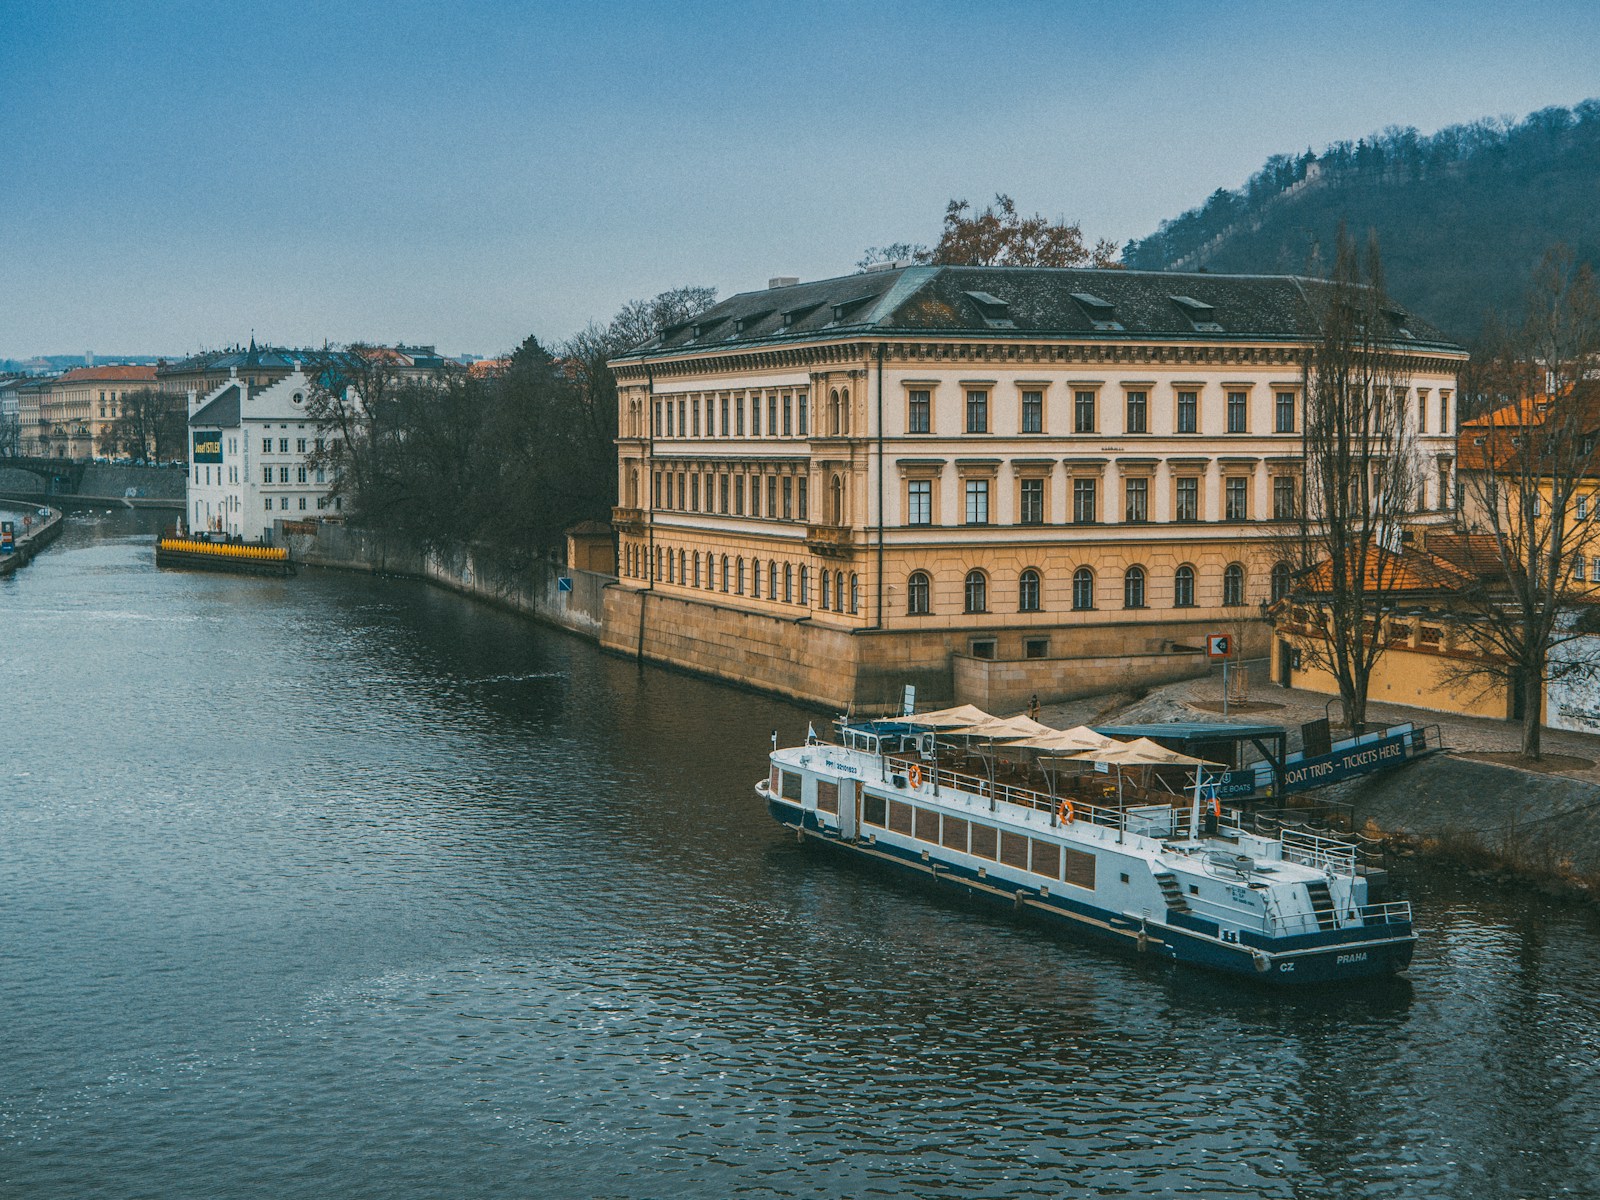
1295,924
1111,815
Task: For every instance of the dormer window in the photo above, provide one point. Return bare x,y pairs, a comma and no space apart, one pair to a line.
845,308
750,320
1201,315
1102,315
995,311
792,316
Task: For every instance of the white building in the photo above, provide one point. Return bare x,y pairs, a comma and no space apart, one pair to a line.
250,459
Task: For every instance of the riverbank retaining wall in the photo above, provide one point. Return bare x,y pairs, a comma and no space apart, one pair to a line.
536,590
30,540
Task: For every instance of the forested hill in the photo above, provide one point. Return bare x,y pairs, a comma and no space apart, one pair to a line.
1462,216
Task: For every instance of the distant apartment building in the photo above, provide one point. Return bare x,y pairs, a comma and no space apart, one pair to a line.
946,475
250,458
257,366
80,406
31,395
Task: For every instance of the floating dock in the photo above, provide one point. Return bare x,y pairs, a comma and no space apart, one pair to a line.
193,554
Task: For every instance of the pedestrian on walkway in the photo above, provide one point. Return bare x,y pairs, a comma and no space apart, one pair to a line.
1033,707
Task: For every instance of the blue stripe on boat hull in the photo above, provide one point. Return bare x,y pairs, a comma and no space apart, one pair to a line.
1339,956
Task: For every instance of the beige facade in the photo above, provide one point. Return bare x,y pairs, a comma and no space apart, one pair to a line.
76,414
1003,495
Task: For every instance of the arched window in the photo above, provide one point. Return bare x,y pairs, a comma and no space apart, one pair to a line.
827,590
1028,591
772,580
1083,588
805,585
1133,588
977,592
1183,587
836,501
724,572
917,604
1280,581
755,578
1233,586
657,574
697,568
844,408
855,588
833,412
788,583
738,586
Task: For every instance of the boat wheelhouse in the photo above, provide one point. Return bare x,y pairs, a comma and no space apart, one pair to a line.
1121,842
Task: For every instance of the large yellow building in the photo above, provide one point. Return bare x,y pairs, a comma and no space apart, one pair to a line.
986,481
76,415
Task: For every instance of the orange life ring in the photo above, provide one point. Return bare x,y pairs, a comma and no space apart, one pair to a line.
1066,813
914,775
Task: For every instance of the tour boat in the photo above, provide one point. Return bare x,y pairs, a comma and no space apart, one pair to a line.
1094,836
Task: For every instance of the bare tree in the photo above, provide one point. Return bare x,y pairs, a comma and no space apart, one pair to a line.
999,236
1528,474
149,426
354,399
1361,476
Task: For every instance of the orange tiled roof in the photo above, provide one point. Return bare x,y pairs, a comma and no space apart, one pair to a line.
113,372
1408,571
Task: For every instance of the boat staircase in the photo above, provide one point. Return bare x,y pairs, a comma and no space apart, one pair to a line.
1176,901
1322,905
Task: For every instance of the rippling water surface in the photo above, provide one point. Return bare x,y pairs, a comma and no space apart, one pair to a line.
340,886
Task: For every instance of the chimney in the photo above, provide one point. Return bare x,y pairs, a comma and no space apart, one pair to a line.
194,402
779,281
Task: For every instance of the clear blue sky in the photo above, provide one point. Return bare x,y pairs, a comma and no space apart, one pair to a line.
178,174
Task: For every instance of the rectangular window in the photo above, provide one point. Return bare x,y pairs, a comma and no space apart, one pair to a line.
805,417
788,498
266,474
738,416
283,474
977,502
1083,412
283,445
1083,501
1138,412
1236,499
655,489
827,796
1188,506
788,414
1136,510
1188,412
1033,502
919,417
266,445
977,411
694,492
738,495
722,493
1036,648
724,416
755,416
982,648
984,841
875,810
1283,498
302,503
1046,859
1597,561
900,817
791,786
772,495
772,415
1284,408
1014,850
953,834
1032,412
284,503
1238,411
800,499
927,824
683,417
1079,868
919,502
1444,412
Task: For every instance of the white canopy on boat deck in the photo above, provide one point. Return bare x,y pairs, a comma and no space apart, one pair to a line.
948,718
1142,752
1002,729
1064,742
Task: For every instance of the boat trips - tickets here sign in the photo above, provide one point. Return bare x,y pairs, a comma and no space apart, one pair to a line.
1388,751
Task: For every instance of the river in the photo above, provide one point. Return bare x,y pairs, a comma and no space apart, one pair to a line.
341,886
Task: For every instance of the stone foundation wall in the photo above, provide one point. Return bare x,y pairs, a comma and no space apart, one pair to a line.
1004,687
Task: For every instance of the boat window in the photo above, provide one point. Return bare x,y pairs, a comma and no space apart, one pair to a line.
1046,859
983,840
1080,869
827,796
1014,850
899,817
927,825
791,786
954,834
875,811
772,784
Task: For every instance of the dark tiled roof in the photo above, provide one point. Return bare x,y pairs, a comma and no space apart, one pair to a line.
223,411
1023,302
264,358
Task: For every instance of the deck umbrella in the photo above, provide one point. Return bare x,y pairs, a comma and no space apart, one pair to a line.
948,718
1142,752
